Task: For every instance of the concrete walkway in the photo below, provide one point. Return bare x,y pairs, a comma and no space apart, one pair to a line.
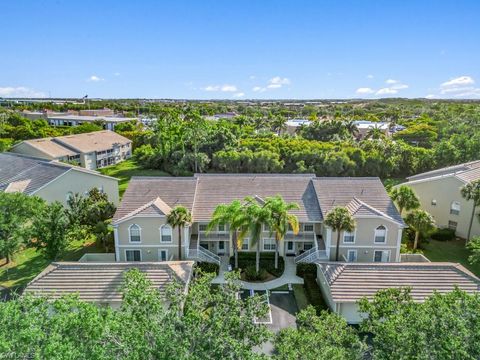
288,277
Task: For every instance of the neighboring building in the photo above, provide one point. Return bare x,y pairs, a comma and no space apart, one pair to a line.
100,283
51,180
293,125
141,232
344,284
90,150
75,120
439,194
364,126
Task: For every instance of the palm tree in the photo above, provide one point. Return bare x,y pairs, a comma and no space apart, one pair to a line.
351,127
257,216
339,219
374,133
281,219
233,215
471,191
421,222
405,198
178,218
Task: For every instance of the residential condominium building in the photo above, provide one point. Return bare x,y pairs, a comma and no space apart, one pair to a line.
142,233
439,194
90,150
109,122
51,180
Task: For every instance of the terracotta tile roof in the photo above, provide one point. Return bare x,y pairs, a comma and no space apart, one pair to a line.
100,282
349,282
363,196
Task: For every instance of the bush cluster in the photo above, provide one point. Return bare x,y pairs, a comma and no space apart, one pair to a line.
306,269
314,294
443,234
252,275
207,267
267,262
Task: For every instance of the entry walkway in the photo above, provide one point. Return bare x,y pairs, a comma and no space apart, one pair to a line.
288,277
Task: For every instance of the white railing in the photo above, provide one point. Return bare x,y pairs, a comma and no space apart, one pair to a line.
202,254
311,256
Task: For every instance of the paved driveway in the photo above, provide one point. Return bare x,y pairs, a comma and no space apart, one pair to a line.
284,308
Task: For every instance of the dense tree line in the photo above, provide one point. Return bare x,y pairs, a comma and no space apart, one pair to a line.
215,323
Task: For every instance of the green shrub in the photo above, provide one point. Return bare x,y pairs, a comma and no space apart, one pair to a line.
443,234
314,294
208,267
267,262
252,275
306,268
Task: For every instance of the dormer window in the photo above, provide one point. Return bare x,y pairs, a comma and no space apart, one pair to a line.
380,234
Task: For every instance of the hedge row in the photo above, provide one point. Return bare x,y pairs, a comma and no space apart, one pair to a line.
267,262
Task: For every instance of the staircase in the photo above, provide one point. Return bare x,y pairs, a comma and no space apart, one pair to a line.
198,253
317,253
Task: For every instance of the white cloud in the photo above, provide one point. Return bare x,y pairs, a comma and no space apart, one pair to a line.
277,82
252,77
370,76
239,95
391,81
386,91
258,89
399,86
364,91
222,88
95,78
430,96
21,91
459,81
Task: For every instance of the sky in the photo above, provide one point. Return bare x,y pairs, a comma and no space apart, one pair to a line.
226,49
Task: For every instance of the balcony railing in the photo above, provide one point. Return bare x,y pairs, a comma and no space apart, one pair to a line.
214,236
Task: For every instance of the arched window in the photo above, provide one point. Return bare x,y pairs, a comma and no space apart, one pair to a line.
134,232
455,208
381,234
165,234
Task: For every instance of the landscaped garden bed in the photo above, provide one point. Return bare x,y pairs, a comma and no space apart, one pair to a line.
246,263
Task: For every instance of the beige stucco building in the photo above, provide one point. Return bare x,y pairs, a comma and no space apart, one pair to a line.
90,150
439,194
51,180
141,232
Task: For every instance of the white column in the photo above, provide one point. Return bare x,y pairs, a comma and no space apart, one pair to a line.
399,243
328,242
117,248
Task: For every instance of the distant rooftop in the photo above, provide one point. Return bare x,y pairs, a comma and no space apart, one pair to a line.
466,172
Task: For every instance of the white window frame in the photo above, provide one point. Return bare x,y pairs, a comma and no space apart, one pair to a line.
139,251
224,231
245,241
161,235
266,228
434,202
160,256
200,225
455,208
308,231
375,235
271,243
382,251
354,252
354,233
130,234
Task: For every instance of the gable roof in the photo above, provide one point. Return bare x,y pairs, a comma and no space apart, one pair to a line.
349,282
28,174
361,195
466,172
48,147
203,192
101,282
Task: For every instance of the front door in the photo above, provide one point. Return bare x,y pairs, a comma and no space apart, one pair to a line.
221,247
163,255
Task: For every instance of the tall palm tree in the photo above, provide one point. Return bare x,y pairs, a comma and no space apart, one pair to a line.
471,191
281,219
405,198
234,215
257,217
421,222
339,219
178,218
375,133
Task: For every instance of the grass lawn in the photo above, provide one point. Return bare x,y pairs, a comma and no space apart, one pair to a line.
125,170
451,251
28,263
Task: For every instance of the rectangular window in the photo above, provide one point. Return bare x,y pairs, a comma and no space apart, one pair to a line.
381,256
245,244
348,237
202,227
352,255
166,234
268,244
133,255
307,246
434,202
266,228
221,228
455,208
308,228
289,245
221,245
452,225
